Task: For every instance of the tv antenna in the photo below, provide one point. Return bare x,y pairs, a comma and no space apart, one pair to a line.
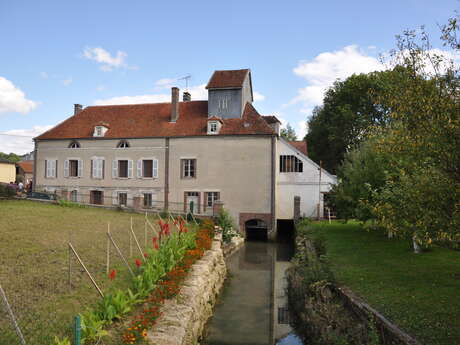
186,78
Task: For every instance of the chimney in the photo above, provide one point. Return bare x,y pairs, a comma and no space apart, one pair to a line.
77,108
186,97
174,104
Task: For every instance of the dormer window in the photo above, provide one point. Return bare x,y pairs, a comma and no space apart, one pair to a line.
74,145
123,144
99,131
214,125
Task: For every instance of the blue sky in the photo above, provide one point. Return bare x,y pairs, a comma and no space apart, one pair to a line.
57,53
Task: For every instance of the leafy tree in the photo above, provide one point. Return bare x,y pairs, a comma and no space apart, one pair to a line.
406,175
288,133
12,157
347,116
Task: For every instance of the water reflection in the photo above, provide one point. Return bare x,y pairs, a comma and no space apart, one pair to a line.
253,306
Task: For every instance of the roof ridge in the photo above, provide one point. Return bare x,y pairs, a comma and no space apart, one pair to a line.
133,104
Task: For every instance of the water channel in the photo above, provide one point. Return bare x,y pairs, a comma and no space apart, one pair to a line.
252,309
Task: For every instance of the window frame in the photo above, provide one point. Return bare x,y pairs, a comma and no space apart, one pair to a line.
290,164
188,170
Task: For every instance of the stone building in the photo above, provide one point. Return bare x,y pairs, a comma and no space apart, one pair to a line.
183,156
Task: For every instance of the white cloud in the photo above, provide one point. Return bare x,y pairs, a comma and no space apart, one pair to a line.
44,75
13,99
20,141
198,92
100,88
321,72
138,99
67,82
165,83
107,61
301,129
258,96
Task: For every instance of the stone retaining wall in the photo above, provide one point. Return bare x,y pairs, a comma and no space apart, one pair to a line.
184,317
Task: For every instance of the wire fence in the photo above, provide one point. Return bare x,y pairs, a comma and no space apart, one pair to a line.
43,283
145,202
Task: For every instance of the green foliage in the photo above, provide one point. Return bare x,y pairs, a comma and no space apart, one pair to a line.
114,305
347,116
225,221
288,133
64,341
12,157
406,176
92,327
6,191
361,177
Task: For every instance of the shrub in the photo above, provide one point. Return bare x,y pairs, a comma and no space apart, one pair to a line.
6,191
225,221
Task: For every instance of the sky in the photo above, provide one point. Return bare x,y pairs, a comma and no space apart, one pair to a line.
57,53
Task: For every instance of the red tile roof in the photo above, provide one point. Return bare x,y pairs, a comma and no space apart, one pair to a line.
301,146
271,119
27,166
227,79
152,120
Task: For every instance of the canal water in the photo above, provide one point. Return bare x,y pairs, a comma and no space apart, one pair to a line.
252,309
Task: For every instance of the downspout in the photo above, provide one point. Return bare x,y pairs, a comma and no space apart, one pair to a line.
273,186
166,190
34,180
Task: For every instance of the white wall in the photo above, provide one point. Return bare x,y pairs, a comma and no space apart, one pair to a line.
304,184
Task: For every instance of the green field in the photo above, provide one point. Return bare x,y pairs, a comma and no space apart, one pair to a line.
34,263
418,292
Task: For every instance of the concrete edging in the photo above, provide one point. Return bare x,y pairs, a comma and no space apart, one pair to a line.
183,318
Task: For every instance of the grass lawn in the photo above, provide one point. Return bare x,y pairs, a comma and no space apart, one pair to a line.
34,263
419,292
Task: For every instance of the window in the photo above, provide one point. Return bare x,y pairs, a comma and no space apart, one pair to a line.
73,167
96,197
99,131
97,167
122,168
213,127
283,316
74,196
188,167
123,144
147,200
147,168
122,198
290,164
211,197
74,145
50,168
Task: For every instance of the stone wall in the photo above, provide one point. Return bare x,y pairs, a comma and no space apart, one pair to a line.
184,317
326,314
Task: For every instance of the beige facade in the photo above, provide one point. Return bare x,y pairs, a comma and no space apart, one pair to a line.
238,168
7,172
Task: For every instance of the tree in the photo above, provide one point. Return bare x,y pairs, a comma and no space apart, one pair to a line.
347,116
288,133
406,175
12,157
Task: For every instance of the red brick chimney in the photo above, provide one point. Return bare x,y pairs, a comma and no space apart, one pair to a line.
174,104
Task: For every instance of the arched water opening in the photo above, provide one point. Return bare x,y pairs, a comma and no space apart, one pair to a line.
256,230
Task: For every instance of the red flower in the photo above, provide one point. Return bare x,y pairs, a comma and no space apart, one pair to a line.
155,242
112,274
146,255
138,263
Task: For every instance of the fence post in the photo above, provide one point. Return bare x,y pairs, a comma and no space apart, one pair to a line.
13,319
77,330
